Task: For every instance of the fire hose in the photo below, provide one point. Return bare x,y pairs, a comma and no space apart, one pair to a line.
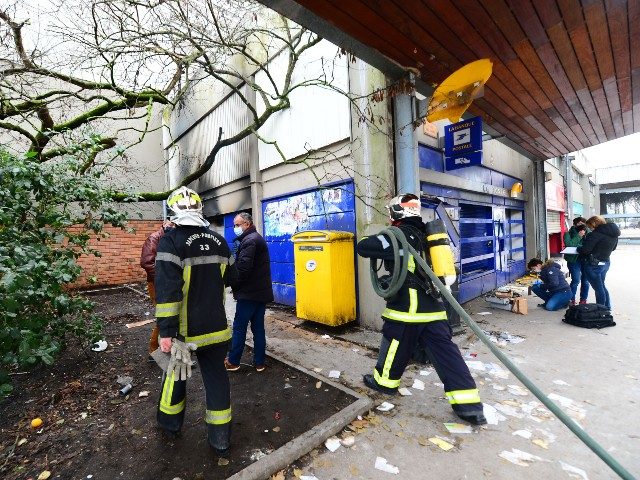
391,285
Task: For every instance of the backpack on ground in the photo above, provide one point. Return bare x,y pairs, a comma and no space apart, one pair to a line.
589,315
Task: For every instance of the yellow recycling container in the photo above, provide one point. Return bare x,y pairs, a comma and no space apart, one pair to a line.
325,276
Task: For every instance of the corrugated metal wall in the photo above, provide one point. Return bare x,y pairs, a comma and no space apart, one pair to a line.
231,163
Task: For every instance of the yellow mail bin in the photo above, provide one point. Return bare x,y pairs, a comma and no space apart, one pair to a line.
325,276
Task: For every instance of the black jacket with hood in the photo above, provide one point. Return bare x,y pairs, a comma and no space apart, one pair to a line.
553,278
600,242
254,268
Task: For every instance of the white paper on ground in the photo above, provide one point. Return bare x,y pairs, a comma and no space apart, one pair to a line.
574,472
561,382
574,410
326,336
334,374
308,477
518,390
404,391
425,373
332,444
381,464
418,384
500,388
438,384
519,457
456,428
523,433
483,313
100,346
385,406
492,415
475,365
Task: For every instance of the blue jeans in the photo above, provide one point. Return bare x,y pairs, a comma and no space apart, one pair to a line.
248,311
596,274
552,301
578,278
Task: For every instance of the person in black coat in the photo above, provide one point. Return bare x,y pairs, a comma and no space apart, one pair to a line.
554,289
597,247
252,291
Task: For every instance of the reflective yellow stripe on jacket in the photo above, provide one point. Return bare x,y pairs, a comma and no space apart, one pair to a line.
408,317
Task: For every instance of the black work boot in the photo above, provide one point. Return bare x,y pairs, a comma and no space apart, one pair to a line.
477,418
370,382
219,438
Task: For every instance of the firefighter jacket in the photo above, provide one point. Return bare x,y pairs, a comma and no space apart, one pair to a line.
193,265
413,303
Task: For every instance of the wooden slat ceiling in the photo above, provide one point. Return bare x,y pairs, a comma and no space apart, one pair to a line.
566,73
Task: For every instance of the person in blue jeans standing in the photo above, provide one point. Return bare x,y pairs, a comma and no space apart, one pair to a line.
554,289
596,248
252,291
575,263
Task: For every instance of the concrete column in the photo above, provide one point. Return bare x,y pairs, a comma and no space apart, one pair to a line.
540,208
568,176
372,153
406,144
255,175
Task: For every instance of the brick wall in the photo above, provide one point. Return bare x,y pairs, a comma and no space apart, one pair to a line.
120,260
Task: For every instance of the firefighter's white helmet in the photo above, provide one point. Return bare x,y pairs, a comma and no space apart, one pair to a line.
184,200
403,206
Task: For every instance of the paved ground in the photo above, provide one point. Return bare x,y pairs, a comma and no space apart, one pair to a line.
598,371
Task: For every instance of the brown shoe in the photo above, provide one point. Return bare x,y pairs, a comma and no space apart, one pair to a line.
260,368
230,366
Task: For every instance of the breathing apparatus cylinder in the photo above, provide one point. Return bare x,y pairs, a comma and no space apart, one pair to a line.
440,252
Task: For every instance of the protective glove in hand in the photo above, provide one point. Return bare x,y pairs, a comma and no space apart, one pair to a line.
180,363
161,358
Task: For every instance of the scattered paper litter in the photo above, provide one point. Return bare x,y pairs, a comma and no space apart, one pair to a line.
317,370
326,336
476,365
574,410
308,477
443,444
140,323
458,428
540,443
483,313
404,391
418,384
523,433
144,393
332,444
519,457
348,441
508,410
425,373
500,388
518,390
561,382
492,415
438,384
381,464
574,472
385,406
334,374
496,370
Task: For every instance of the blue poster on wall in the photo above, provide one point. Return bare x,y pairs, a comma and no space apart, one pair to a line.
463,144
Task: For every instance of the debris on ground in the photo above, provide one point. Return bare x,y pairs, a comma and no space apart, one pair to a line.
540,443
483,313
503,338
574,472
318,384
141,323
332,444
561,382
326,336
425,373
143,394
308,477
573,409
492,415
518,457
44,475
443,444
100,346
476,365
36,422
385,407
124,380
458,428
334,374
418,384
382,465
500,388
223,462
404,391
523,433
518,390
348,441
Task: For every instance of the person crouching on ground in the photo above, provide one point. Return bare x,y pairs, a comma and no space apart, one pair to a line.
554,289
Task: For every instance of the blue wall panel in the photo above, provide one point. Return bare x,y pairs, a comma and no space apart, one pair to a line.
430,159
330,207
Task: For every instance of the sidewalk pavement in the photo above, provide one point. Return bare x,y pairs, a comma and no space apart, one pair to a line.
594,374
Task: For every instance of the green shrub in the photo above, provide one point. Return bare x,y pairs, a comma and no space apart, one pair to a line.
38,252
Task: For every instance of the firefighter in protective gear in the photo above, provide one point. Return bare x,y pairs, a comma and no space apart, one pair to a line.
416,315
193,266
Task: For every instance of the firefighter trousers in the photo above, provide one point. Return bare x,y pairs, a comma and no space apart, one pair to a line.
172,403
399,341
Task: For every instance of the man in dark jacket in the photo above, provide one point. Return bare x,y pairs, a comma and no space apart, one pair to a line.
193,266
554,289
416,315
597,247
575,263
148,263
252,292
